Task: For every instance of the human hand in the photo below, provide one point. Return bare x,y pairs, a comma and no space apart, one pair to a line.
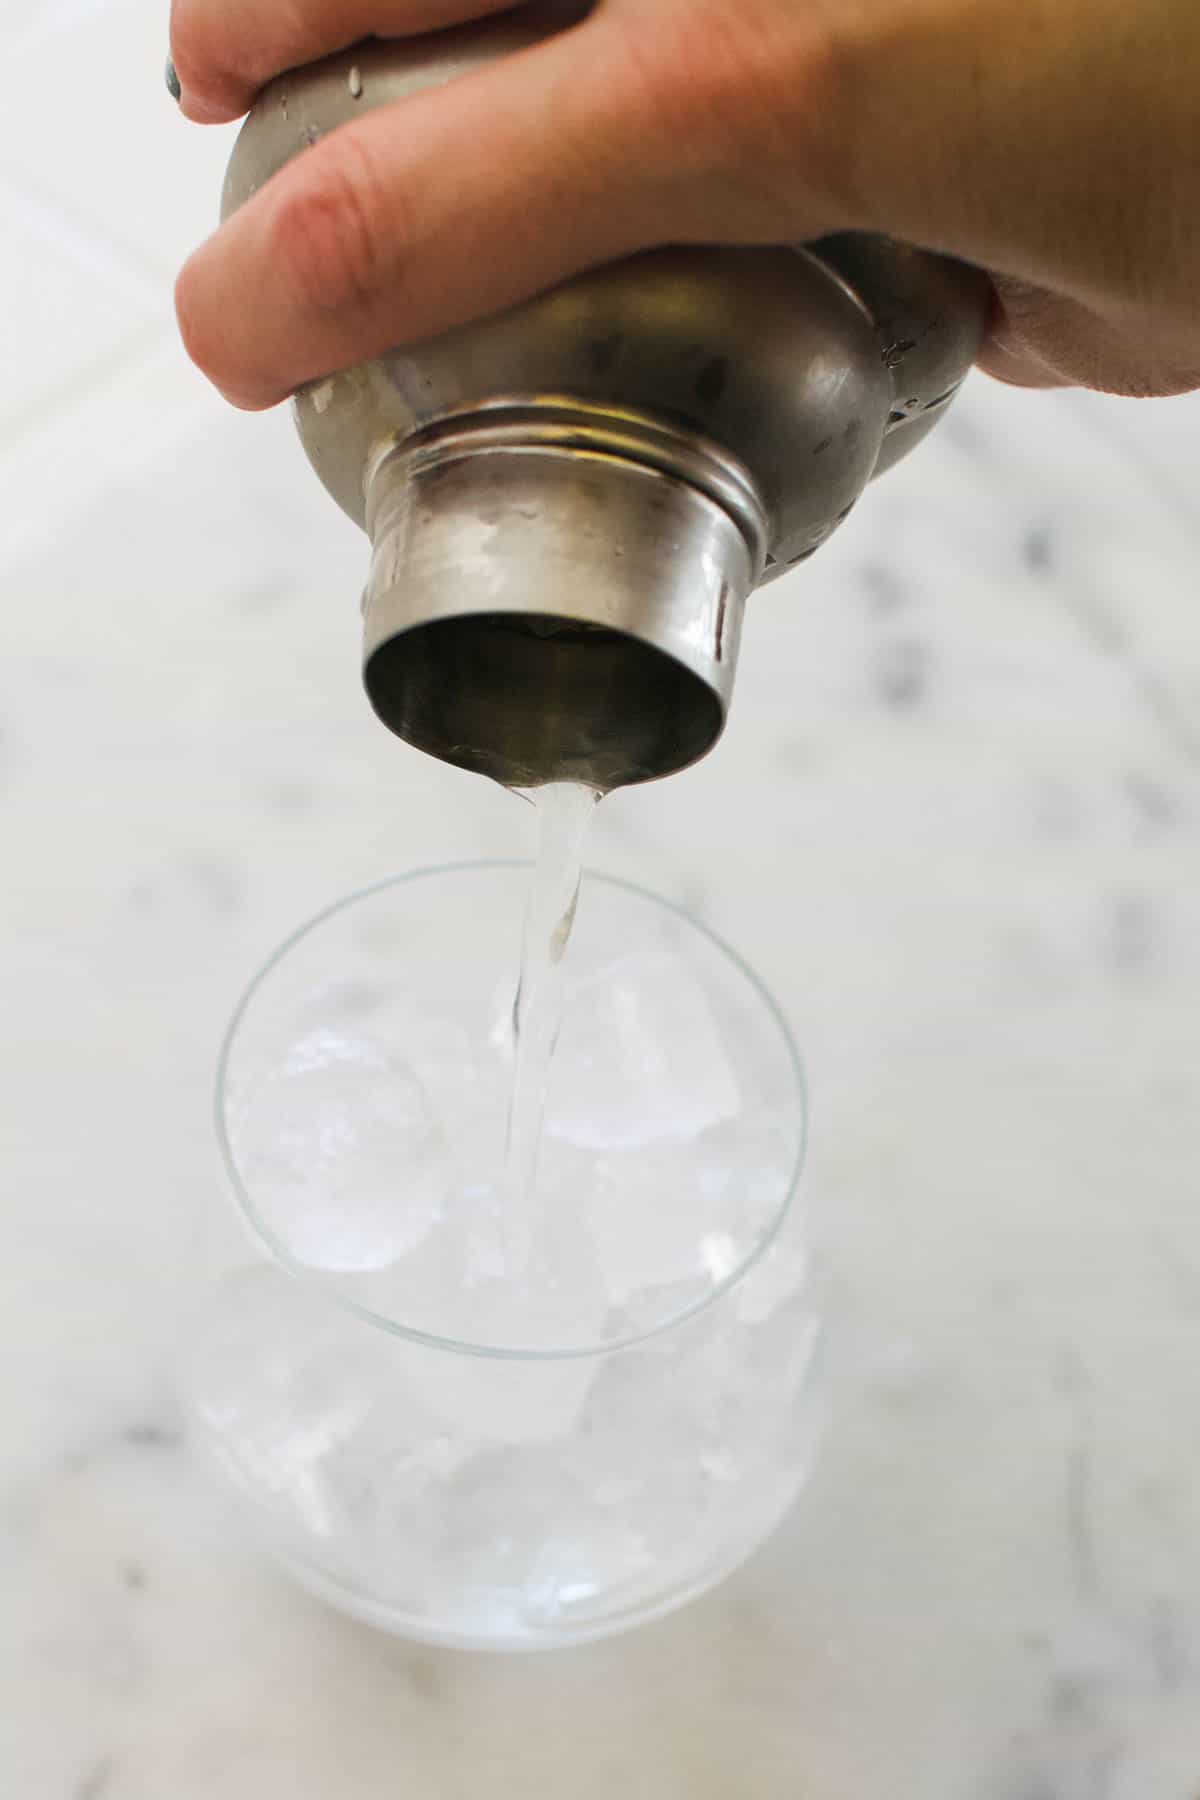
1055,143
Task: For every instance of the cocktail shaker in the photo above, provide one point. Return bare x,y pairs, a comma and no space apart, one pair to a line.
570,503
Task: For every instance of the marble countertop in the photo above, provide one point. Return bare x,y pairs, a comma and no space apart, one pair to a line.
955,822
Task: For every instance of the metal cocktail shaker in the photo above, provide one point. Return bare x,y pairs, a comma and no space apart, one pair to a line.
569,503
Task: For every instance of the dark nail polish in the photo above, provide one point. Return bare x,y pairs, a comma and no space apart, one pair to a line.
173,87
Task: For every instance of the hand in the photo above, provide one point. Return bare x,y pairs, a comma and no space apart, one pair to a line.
1054,142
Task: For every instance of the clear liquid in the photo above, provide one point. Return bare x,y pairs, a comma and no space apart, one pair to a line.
564,812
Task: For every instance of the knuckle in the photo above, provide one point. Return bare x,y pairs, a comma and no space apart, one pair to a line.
326,233
222,62
198,53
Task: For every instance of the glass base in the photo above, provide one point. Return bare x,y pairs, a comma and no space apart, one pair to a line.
417,1630
477,1504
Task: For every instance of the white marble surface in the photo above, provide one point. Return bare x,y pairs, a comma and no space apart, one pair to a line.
956,822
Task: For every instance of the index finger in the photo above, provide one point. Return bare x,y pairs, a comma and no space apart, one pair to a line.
225,51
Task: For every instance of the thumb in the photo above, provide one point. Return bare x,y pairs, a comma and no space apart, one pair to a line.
1041,339
417,217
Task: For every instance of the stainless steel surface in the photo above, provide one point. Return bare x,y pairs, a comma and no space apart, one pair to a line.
617,453
930,314
543,610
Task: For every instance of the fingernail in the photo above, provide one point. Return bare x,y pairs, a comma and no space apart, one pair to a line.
173,84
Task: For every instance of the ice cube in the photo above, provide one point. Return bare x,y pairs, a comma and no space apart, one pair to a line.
462,1284
279,1385
640,1058
340,1149
514,1400
327,1427
680,1213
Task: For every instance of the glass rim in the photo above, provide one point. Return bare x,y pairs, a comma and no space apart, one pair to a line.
331,1294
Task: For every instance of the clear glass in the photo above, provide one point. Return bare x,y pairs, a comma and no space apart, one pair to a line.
489,1431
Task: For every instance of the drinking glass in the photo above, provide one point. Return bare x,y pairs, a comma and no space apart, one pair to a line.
492,1420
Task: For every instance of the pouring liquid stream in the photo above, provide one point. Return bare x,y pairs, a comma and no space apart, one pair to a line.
565,811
